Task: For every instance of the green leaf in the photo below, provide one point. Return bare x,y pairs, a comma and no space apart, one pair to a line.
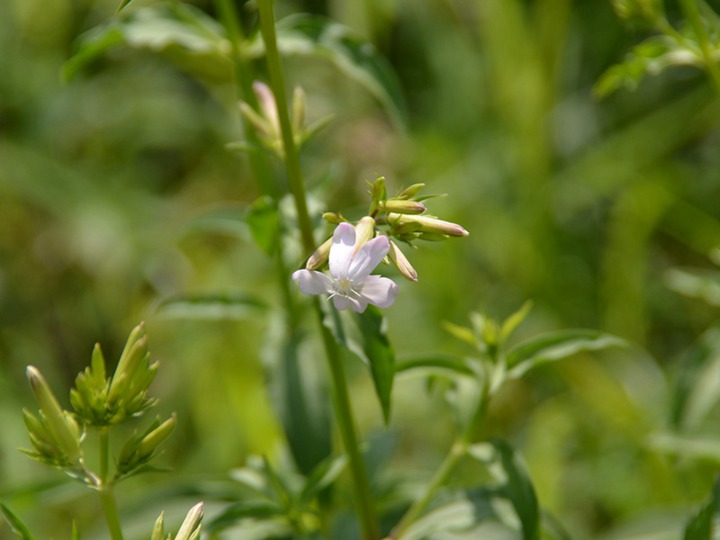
454,516
556,346
304,34
511,324
322,476
17,526
211,306
183,33
515,484
228,220
437,363
701,284
234,513
651,57
697,447
702,525
262,218
74,534
364,335
299,396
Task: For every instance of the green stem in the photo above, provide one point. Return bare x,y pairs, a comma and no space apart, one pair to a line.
292,155
447,467
341,399
107,498
692,13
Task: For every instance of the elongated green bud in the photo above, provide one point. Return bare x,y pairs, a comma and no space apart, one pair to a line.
60,425
133,354
364,231
401,206
428,224
320,256
332,217
190,528
149,443
402,263
410,191
158,532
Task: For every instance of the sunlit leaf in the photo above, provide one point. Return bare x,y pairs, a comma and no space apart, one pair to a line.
514,482
211,306
699,447
556,346
183,33
510,324
305,34
651,57
256,510
17,526
704,285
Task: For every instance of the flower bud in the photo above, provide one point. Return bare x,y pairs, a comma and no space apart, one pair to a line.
401,206
332,217
378,191
60,425
320,256
158,532
410,191
429,224
190,528
149,443
364,231
399,259
266,101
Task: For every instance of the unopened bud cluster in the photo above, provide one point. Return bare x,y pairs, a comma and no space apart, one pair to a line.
401,218
189,530
99,402
266,123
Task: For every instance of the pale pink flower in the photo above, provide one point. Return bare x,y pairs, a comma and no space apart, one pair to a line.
350,284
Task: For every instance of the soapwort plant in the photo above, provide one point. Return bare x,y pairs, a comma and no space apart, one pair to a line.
342,277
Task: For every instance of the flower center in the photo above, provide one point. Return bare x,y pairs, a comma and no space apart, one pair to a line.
344,287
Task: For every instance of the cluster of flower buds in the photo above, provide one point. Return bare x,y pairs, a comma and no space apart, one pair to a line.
101,401
266,122
98,401
189,530
400,218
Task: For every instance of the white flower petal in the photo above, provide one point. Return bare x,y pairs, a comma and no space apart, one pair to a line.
312,282
341,251
341,303
379,291
368,257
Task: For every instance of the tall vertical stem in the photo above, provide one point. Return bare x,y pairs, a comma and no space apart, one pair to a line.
343,410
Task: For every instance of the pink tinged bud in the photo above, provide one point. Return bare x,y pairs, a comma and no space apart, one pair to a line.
364,232
266,100
190,528
401,206
399,259
428,224
320,256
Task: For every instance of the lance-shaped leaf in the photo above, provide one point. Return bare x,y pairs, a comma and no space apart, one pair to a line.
231,306
299,394
365,336
314,35
16,525
515,484
556,346
183,33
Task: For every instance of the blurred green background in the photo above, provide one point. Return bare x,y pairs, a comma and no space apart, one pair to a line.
579,204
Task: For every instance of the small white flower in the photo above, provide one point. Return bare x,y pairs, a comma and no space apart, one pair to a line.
350,284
